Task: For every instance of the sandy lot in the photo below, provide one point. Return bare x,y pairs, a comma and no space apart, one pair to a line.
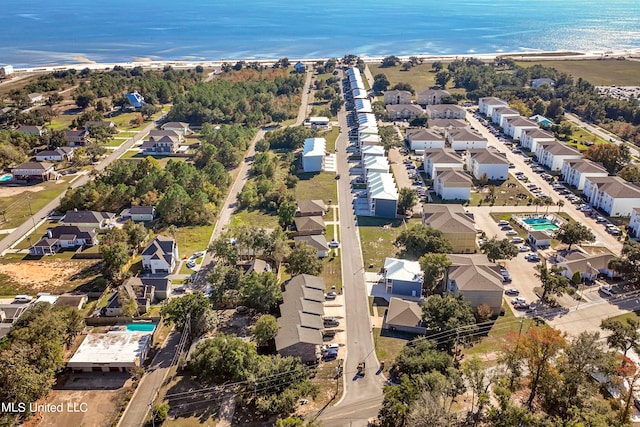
44,274
102,406
14,191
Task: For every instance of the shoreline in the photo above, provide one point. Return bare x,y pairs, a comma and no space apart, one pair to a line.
84,62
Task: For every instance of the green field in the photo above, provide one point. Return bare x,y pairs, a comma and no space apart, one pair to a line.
597,72
506,194
377,236
419,77
192,238
254,217
316,186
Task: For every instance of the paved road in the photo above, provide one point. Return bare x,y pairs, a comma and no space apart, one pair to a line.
27,226
362,396
138,407
604,134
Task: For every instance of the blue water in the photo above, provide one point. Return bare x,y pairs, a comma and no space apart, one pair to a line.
140,327
7,177
39,32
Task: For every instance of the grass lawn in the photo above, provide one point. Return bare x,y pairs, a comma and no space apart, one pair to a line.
331,137
317,185
18,206
254,217
192,238
325,380
497,335
623,317
377,236
332,273
597,72
36,235
420,77
580,135
115,142
506,194
389,346
192,421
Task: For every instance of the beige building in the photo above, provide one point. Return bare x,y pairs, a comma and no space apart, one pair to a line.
478,279
397,97
457,225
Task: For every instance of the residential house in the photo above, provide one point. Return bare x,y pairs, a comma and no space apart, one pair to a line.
589,266
397,97
500,114
404,316
612,194
576,171
32,130
34,170
139,213
446,111
375,164
318,122
539,239
421,139
77,137
372,151
73,301
300,321
180,127
135,99
359,94
155,135
488,104
36,98
99,124
403,277
452,184
382,195
478,279
513,126
89,219
160,256
488,162
258,266
311,208
9,314
313,154
309,225
45,246
443,124
530,138
362,106
440,158
554,153
365,139
57,155
71,236
403,111
161,145
535,83
131,289
432,96
114,351
456,224
465,139
300,67
356,84
634,222
318,242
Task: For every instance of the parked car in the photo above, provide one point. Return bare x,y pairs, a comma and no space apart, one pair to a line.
503,222
512,291
330,295
328,347
532,257
522,306
601,219
518,300
191,263
606,289
506,227
524,248
517,239
334,244
511,233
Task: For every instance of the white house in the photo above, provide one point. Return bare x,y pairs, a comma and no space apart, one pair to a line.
382,195
424,139
372,150
634,222
501,113
487,104
452,184
539,239
179,127
441,158
446,111
530,138
6,70
397,97
375,164
575,171
34,170
612,194
491,163
367,119
465,139
57,155
513,126
403,277
313,154
36,98
432,96
366,139
160,256
362,106
552,154
589,266
139,213
321,122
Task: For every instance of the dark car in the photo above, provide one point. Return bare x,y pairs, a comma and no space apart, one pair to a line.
338,176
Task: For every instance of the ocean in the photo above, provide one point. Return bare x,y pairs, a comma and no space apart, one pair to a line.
44,32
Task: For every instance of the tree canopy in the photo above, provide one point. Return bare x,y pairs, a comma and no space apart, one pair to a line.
573,233
496,249
421,239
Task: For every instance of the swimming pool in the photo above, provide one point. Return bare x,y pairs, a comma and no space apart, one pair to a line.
6,177
540,224
140,327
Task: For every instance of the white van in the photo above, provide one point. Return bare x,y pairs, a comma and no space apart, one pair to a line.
503,222
23,298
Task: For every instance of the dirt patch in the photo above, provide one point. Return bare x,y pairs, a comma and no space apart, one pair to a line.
47,275
231,322
14,191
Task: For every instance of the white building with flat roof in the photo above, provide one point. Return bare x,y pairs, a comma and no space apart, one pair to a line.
487,104
313,154
113,351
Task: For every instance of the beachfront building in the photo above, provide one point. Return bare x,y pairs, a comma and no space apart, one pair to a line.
553,154
615,196
421,139
397,97
488,162
530,138
313,154
452,184
432,96
487,104
576,171
435,159
461,139
456,224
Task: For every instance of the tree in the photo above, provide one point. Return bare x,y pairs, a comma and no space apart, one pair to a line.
380,83
421,239
148,110
442,78
560,204
406,199
304,260
223,358
160,412
403,86
499,249
624,334
629,263
53,99
225,249
195,308
630,173
261,291
85,100
613,157
129,306
571,233
434,267
553,282
436,66
480,381
265,329
390,61
448,313
114,258
286,213
136,232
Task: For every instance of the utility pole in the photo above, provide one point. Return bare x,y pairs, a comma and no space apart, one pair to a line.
30,212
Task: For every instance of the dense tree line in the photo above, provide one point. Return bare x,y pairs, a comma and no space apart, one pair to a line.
33,353
226,144
251,97
182,193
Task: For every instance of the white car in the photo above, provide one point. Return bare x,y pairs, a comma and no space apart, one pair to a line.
524,248
191,263
334,244
511,233
518,300
607,290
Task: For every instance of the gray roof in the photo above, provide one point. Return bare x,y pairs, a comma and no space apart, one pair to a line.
175,125
447,123
520,122
404,313
448,218
71,230
308,281
618,188
465,134
488,157
442,155
309,223
491,100
139,210
559,148
537,133
475,272
396,108
453,178
311,206
160,247
422,134
43,166
318,241
586,166
87,217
